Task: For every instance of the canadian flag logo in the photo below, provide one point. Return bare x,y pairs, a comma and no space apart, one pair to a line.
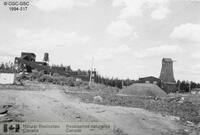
13,128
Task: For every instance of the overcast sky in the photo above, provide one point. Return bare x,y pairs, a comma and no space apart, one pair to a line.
127,38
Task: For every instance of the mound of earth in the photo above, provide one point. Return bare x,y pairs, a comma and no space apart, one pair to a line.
144,89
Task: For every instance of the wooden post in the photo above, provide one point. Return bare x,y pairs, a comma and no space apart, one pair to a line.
91,72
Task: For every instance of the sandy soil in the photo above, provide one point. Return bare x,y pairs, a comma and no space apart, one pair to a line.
54,105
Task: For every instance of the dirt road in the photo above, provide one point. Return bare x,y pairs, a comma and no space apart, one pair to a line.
54,105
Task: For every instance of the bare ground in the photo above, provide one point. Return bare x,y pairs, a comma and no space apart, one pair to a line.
55,105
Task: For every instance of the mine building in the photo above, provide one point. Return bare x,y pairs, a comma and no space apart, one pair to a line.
166,80
27,62
150,79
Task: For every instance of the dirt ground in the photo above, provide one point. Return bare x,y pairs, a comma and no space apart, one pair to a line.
54,105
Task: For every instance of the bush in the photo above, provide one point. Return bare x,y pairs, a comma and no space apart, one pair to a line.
71,81
56,74
36,75
45,78
57,79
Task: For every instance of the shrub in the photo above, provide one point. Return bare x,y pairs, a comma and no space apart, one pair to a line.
71,81
57,79
35,75
45,78
55,74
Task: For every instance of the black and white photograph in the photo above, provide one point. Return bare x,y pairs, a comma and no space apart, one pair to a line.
99,67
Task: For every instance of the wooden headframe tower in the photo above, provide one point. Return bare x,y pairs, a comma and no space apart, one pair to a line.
167,75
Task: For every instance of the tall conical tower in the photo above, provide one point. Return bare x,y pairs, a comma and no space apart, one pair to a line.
167,75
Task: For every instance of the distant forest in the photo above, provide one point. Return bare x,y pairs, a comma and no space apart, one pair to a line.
186,86
183,86
7,67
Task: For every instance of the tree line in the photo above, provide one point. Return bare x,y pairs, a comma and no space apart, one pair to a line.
7,67
182,86
186,86
113,82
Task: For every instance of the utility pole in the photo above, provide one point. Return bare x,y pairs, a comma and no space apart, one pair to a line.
190,86
122,83
179,86
91,72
